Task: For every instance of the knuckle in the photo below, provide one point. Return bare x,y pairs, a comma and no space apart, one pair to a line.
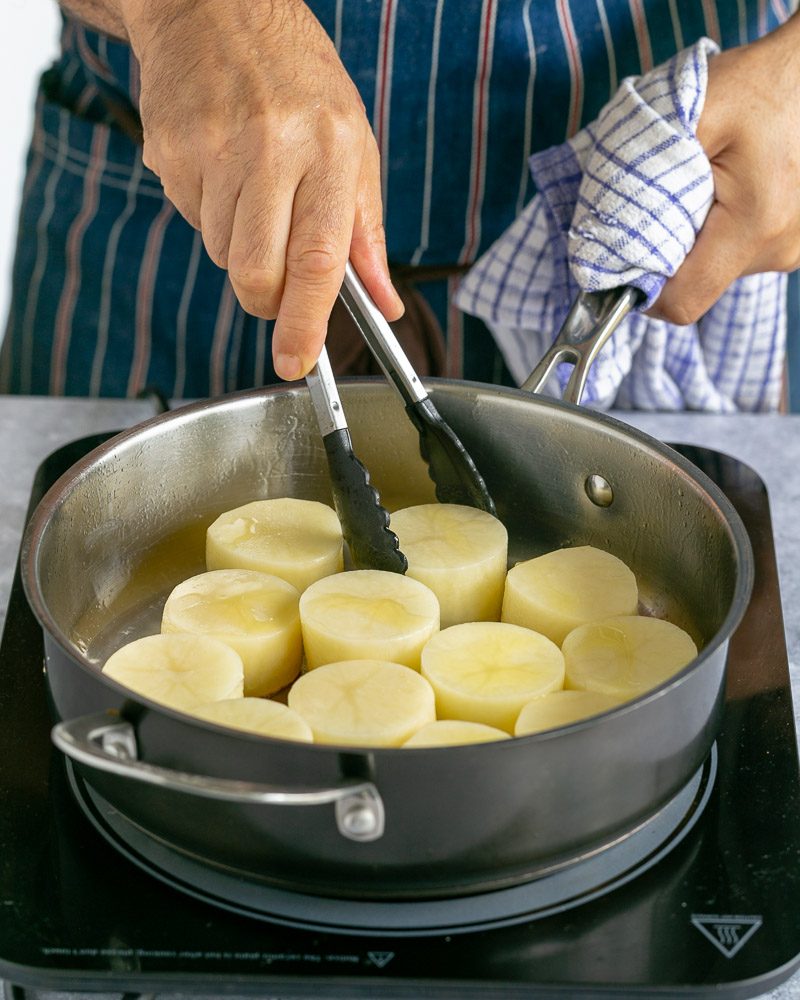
149,158
265,307
679,312
682,315
184,204
772,228
171,149
258,289
216,249
317,261
373,232
254,280
786,258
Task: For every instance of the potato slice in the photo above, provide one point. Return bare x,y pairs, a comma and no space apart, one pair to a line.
461,553
254,613
454,732
257,715
486,671
625,656
560,709
363,703
367,614
180,670
556,592
298,540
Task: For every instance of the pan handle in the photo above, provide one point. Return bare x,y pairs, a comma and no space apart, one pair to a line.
594,316
106,743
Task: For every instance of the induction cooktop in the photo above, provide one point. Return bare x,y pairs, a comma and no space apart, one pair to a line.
709,905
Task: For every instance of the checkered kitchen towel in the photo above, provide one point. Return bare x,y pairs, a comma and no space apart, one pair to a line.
621,203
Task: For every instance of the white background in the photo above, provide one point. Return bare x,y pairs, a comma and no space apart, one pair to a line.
29,43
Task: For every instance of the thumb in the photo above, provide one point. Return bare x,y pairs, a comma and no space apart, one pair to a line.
719,256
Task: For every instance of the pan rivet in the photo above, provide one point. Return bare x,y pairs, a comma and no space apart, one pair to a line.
599,491
359,820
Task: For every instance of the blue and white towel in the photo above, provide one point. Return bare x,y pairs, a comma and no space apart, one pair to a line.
621,203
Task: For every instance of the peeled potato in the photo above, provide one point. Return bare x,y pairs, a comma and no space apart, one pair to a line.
367,614
556,592
257,715
459,552
180,670
560,709
454,732
363,702
254,613
626,655
298,540
486,671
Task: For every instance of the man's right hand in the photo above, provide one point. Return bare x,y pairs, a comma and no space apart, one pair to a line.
261,141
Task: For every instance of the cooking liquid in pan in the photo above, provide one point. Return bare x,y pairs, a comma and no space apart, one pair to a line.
135,609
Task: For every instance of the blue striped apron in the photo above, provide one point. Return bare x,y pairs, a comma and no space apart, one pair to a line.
113,291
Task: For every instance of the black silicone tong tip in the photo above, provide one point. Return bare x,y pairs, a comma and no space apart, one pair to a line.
365,523
450,466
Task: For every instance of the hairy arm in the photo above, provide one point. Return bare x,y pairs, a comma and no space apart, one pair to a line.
262,143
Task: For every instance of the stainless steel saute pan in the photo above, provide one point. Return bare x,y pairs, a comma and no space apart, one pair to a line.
123,526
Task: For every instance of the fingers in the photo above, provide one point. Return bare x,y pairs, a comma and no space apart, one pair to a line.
261,140
180,177
368,245
719,256
317,249
219,197
259,235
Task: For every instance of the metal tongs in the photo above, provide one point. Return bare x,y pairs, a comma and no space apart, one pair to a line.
365,523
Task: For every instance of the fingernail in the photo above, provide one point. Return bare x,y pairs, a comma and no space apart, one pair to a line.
288,366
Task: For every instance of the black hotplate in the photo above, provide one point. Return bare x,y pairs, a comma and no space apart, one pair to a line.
718,914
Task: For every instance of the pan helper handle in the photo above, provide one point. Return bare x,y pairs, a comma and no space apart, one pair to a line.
594,316
107,743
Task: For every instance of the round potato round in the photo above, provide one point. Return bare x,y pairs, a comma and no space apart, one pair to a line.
454,732
367,614
561,708
254,613
257,715
180,670
556,592
626,655
298,540
461,553
486,671
363,703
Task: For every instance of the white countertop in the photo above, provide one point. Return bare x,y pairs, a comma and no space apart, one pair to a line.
31,428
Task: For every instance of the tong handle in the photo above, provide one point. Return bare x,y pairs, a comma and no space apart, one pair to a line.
380,338
325,396
594,316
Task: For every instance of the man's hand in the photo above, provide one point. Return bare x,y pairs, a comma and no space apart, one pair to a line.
750,130
261,141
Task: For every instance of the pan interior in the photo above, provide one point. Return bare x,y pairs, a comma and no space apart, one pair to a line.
130,525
